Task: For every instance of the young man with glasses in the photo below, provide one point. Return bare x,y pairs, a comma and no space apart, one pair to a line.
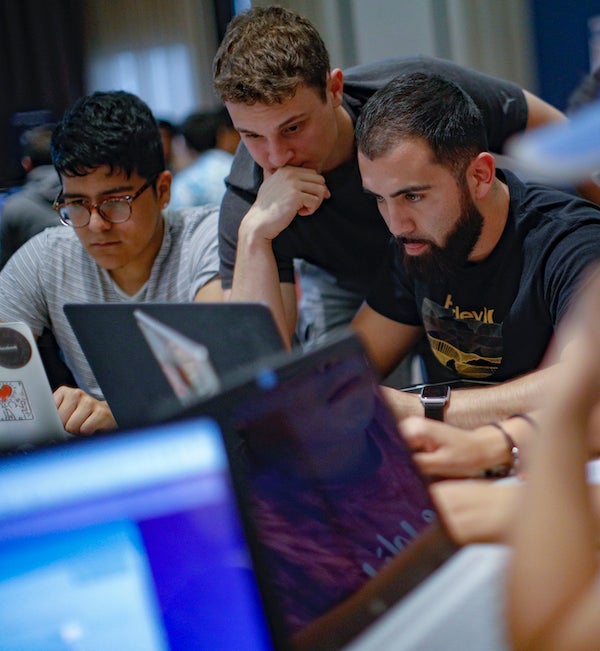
119,245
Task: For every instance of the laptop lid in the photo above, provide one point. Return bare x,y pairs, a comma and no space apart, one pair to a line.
28,413
127,541
343,518
126,370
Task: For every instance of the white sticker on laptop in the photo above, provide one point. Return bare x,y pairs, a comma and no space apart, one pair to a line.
14,402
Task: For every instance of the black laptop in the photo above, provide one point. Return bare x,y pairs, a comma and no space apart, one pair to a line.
129,376
343,518
267,517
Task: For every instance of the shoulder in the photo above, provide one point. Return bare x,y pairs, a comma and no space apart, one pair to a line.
186,223
54,249
56,241
245,174
567,210
186,219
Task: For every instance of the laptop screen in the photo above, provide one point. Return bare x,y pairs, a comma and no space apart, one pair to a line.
344,518
130,377
130,541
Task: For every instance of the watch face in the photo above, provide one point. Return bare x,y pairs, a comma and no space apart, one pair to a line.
435,391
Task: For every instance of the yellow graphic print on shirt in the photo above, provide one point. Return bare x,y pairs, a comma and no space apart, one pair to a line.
468,343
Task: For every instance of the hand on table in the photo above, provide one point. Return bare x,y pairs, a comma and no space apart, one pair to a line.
442,450
476,510
81,413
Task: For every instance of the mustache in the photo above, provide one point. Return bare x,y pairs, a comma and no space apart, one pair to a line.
402,240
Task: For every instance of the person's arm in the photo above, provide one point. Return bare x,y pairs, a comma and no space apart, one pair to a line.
540,112
553,599
475,407
289,192
386,341
255,278
477,510
444,450
81,413
210,293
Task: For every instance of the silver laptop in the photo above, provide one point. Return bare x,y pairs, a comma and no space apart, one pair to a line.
28,413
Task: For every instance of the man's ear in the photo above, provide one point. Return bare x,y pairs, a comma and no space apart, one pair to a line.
481,174
163,188
335,85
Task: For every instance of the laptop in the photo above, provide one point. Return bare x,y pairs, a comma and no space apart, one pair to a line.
156,538
28,413
129,375
127,541
342,518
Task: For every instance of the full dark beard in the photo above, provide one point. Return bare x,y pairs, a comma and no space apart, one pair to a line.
440,262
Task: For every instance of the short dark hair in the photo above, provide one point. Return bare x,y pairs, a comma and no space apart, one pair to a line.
428,107
113,128
266,54
199,131
35,144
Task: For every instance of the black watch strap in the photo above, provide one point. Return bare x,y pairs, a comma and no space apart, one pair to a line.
434,398
434,411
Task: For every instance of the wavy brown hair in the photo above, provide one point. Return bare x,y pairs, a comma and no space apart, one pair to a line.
266,54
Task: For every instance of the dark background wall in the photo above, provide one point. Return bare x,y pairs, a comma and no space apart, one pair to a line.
562,45
42,59
41,69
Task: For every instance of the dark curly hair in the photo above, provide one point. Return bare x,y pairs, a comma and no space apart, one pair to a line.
113,128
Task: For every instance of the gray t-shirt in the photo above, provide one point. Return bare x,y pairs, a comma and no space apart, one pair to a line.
53,268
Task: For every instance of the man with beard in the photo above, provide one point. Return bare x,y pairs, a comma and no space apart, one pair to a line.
294,193
481,263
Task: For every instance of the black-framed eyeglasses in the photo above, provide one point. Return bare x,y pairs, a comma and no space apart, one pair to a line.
115,210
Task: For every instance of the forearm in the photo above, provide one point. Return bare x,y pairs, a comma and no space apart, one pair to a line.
555,536
256,279
555,539
474,407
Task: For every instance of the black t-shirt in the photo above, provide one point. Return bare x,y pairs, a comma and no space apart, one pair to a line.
346,235
494,319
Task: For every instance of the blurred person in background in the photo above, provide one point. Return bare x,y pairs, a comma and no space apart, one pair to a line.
29,210
209,142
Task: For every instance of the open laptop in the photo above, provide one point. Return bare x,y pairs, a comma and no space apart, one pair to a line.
137,537
127,541
345,526
128,373
28,413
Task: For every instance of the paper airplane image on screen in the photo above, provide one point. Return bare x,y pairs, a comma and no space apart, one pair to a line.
185,363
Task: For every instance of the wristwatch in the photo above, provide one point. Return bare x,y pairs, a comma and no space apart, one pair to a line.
434,398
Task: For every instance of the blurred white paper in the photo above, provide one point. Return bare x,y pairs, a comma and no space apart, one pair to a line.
185,363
